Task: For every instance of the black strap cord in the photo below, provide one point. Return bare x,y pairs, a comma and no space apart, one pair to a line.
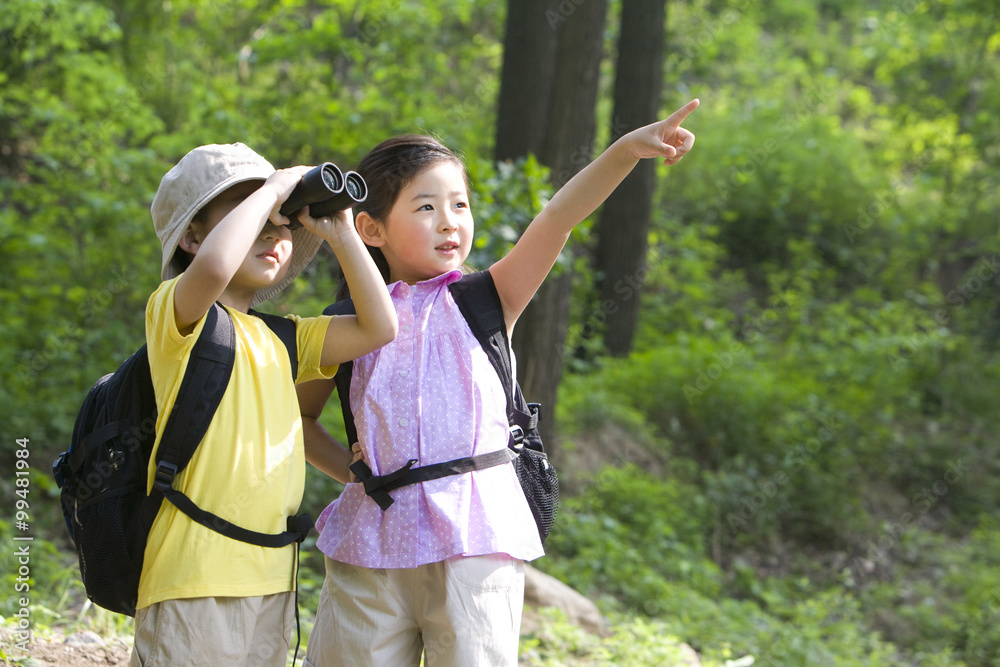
298,626
297,526
379,486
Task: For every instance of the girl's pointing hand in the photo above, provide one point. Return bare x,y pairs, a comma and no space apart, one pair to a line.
666,139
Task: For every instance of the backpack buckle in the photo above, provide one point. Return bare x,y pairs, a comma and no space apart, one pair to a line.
59,470
535,410
300,525
516,438
165,473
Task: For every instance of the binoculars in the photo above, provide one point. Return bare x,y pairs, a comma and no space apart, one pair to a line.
325,190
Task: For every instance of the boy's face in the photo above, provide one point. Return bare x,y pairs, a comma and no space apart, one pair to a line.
269,258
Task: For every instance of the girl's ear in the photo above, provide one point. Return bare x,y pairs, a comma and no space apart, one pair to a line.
370,231
190,240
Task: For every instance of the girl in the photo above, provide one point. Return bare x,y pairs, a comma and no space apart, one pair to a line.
440,572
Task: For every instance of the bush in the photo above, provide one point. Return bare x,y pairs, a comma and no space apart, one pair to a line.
635,543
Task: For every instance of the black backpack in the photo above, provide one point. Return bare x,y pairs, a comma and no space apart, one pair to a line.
477,299
103,475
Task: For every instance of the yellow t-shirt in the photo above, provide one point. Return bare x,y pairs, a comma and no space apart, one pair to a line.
249,469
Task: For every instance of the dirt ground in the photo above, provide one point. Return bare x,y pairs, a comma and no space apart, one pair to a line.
87,649
82,649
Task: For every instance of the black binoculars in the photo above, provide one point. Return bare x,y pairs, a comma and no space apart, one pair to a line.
325,190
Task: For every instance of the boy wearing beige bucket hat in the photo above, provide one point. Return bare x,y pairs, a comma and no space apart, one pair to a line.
205,598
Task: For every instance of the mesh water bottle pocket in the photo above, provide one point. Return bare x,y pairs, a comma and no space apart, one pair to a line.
541,487
111,552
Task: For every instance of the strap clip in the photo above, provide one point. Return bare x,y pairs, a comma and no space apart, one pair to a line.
374,483
516,438
165,473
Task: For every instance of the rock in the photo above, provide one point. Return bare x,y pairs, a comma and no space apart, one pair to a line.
541,590
689,657
84,637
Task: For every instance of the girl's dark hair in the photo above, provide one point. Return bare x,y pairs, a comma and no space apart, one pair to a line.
390,166
387,169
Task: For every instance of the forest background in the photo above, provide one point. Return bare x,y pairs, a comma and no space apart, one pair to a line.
787,452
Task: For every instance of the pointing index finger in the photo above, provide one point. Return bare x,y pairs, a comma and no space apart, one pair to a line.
677,117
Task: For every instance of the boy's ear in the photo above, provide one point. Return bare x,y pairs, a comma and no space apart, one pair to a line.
190,240
369,230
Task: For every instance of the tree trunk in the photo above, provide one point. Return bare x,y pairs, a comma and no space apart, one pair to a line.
569,140
529,60
623,226
572,35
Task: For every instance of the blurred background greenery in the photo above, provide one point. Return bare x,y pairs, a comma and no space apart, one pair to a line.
793,456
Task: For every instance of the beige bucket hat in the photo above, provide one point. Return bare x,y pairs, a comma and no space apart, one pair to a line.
197,179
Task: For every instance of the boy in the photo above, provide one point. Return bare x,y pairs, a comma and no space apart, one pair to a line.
205,598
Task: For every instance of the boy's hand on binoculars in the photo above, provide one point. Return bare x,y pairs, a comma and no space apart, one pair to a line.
283,182
666,139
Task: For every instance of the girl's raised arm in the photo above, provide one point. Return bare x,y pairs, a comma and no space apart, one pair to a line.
519,274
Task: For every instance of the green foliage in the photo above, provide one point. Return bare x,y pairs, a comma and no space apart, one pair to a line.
634,641
939,598
624,514
75,185
638,539
505,199
816,355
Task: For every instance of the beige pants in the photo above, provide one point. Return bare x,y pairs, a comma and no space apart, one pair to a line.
215,631
461,612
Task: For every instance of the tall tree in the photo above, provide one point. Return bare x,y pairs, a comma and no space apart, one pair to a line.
552,52
529,60
623,226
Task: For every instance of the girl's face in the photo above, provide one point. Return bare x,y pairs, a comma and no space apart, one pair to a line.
429,229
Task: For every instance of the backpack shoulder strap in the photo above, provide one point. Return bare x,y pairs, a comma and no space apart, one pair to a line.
344,374
477,297
206,378
284,329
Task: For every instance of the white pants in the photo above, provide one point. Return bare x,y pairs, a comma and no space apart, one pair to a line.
460,612
224,631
